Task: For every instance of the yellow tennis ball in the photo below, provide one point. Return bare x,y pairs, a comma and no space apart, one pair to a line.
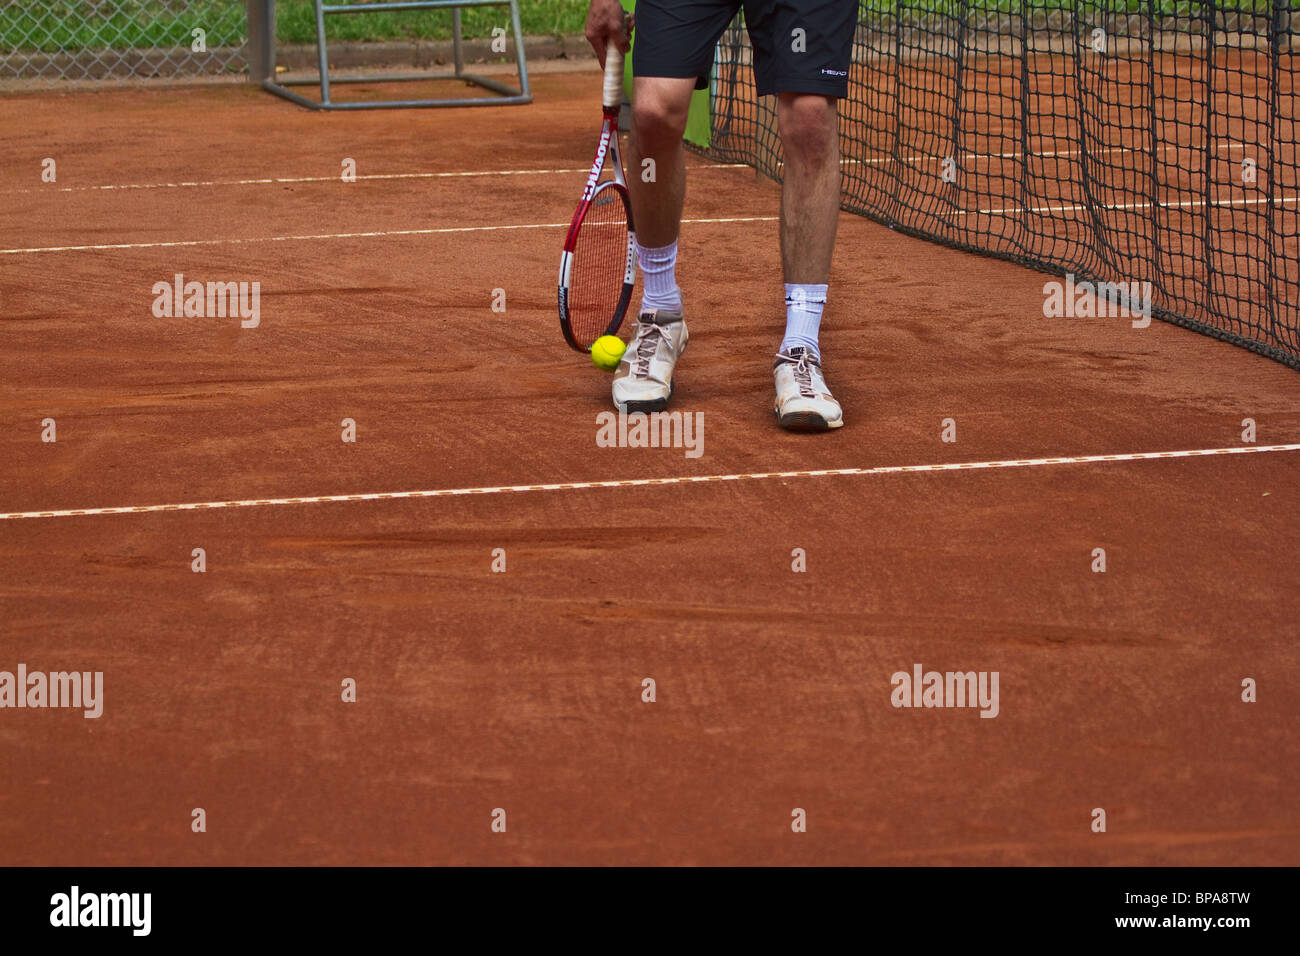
606,352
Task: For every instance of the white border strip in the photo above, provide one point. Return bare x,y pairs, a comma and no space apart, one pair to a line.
1041,154
641,482
124,187
479,174
1130,206
337,235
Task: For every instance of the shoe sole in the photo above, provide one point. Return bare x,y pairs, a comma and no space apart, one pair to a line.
806,422
649,406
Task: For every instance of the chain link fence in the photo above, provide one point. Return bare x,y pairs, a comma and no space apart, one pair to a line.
48,43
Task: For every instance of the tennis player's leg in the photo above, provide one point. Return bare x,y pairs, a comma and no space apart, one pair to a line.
657,183
802,55
810,206
671,58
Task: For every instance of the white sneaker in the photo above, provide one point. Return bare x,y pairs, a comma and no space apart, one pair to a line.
644,380
803,401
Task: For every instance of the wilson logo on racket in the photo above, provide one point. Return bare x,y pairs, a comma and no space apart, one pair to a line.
592,177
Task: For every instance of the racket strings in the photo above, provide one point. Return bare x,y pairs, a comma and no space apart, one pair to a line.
599,263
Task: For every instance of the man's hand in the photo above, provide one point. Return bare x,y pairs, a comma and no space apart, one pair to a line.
607,22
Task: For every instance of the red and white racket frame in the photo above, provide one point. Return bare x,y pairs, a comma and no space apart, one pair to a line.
607,153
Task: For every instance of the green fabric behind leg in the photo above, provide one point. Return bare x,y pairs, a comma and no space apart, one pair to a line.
698,120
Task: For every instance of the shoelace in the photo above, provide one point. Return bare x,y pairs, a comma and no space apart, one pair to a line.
802,374
646,345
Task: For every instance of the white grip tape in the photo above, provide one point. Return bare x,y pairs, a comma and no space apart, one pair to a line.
613,76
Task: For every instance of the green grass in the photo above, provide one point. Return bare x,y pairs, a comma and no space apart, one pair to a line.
296,21
1088,10
41,25
50,27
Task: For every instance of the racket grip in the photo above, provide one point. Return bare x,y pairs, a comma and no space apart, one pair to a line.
613,94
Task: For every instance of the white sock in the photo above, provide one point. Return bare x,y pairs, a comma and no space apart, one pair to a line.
659,274
803,316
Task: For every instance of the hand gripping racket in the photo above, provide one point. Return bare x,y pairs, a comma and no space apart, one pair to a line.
598,266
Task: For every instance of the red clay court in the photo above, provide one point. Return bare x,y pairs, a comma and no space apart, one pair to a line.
522,690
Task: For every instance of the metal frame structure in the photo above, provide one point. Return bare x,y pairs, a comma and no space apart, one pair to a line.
263,61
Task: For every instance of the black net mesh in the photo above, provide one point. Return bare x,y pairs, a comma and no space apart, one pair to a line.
1145,148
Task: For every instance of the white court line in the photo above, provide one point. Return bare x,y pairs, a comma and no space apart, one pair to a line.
177,243
336,235
642,482
331,179
470,174
1032,154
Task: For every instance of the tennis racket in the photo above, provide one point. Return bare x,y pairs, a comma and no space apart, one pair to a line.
598,266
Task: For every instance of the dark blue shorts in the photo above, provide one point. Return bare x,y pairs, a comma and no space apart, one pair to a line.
675,38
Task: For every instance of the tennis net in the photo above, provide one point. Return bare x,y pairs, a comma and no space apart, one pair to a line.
1144,148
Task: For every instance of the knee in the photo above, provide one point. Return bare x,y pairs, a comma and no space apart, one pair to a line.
657,123
809,130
